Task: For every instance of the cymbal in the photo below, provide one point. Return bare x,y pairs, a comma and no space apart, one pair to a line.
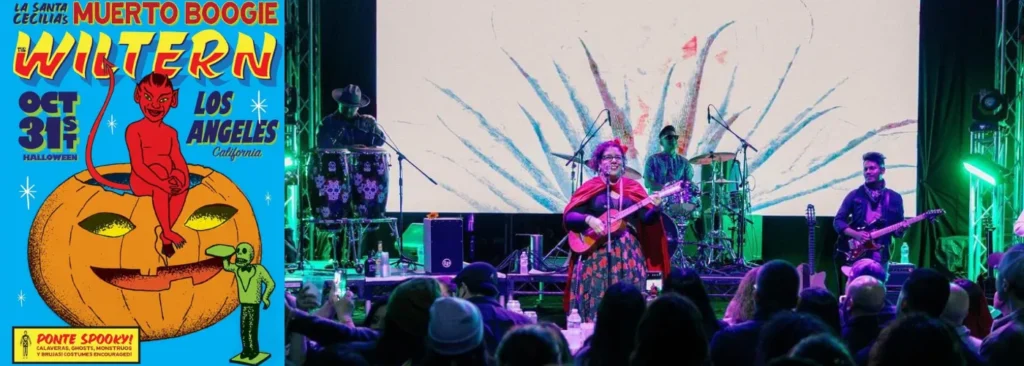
630,172
567,157
707,159
633,174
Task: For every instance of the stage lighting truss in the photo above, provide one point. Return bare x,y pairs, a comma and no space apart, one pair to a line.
996,136
302,75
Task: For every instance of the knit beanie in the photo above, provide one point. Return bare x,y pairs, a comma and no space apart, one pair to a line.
409,305
456,326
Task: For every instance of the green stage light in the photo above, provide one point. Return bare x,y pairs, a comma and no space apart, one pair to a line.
984,169
288,162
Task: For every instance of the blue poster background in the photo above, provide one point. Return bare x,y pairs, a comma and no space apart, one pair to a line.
260,179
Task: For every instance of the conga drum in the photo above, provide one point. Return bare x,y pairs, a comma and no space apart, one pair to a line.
369,169
330,183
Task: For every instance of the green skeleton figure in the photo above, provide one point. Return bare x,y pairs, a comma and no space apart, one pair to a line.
251,278
25,342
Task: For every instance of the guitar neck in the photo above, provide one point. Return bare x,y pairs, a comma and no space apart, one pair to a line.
891,228
810,245
631,209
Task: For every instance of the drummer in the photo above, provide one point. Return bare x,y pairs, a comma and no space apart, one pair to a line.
346,127
666,166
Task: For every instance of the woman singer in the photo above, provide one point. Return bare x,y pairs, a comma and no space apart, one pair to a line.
635,248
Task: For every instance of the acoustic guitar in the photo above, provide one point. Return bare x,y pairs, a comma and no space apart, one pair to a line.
855,249
808,278
584,242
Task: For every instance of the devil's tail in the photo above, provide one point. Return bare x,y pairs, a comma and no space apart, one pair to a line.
96,126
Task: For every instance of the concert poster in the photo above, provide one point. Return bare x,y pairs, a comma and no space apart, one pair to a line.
143,164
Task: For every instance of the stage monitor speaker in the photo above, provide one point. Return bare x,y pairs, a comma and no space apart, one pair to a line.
442,245
898,274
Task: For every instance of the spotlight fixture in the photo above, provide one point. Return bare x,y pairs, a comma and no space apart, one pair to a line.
988,110
985,169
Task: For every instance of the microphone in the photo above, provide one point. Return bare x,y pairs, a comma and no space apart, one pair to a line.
709,114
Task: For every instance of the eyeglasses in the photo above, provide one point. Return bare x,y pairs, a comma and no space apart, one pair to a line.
612,157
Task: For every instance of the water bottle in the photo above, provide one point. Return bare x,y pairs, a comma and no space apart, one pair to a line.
385,265
905,253
524,263
572,322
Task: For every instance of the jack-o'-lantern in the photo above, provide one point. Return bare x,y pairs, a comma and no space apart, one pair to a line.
94,254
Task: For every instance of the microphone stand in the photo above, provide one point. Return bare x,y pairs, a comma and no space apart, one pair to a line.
608,230
743,186
578,154
402,259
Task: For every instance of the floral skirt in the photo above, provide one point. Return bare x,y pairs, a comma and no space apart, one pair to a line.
590,274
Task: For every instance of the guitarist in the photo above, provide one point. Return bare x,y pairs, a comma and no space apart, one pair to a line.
634,249
870,206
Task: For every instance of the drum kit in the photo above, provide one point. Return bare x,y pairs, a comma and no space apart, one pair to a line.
719,198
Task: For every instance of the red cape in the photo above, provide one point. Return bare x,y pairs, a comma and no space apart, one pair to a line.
652,237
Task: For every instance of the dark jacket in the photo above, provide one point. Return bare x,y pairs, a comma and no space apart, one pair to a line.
999,326
853,213
737,345
497,320
861,331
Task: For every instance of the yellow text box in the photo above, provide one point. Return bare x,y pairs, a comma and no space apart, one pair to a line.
76,345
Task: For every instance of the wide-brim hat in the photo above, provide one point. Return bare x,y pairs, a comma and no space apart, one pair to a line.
350,95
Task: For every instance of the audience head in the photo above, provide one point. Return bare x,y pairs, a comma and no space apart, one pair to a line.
409,305
671,322
741,307
865,295
375,317
979,319
687,283
866,267
528,345
477,279
784,331
823,349
917,339
821,303
778,286
925,291
618,315
1010,279
564,350
456,326
956,306
407,320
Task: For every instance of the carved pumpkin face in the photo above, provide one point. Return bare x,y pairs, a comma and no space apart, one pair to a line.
94,254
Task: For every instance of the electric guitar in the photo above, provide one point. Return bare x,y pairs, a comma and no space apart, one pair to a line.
582,243
858,249
808,278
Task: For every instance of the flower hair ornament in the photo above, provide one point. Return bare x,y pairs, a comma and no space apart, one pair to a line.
622,146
